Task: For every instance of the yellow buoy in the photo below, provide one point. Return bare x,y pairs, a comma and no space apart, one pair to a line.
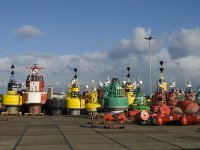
11,98
74,102
93,104
129,87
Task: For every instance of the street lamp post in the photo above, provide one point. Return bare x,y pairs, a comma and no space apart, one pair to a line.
150,89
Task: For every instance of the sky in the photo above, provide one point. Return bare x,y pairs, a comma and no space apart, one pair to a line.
101,38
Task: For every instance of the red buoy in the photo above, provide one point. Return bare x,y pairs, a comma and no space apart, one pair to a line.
190,120
132,113
188,107
162,118
141,116
164,109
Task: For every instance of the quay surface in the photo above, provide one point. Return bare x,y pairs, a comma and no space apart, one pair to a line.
75,133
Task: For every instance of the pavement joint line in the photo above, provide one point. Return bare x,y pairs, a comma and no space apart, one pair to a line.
186,128
162,133
156,139
65,139
21,135
90,127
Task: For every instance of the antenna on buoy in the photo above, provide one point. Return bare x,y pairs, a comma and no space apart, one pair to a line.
162,85
12,72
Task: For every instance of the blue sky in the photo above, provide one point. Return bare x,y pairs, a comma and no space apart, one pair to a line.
71,26
36,30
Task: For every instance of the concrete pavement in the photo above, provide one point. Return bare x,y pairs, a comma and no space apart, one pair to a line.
74,133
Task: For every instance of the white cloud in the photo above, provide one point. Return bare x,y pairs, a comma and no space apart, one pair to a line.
186,42
138,42
131,52
5,63
136,45
28,32
124,43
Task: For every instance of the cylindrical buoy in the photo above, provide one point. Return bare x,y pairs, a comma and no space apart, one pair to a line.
132,113
55,106
161,118
188,107
164,109
190,120
141,116
35,109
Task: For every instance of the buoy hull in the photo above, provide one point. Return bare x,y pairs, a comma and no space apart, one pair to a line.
34,101
188,107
